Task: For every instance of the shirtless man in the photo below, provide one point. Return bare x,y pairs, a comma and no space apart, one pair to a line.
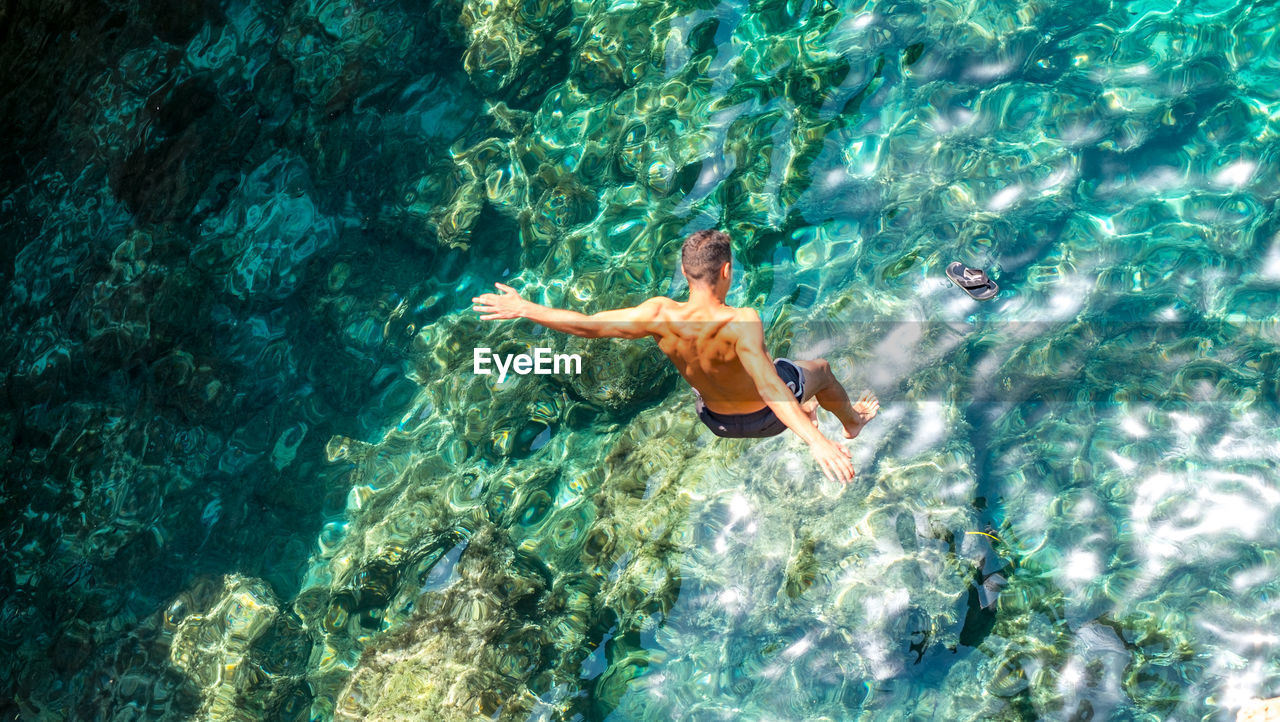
719,350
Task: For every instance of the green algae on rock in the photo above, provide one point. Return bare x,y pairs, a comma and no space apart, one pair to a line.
244,238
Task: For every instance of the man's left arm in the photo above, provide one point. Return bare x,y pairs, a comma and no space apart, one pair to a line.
833,459
634,322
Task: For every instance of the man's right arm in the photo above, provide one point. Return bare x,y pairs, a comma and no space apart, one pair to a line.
833,459
635,322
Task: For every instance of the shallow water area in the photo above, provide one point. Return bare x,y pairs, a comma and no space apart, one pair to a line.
251,475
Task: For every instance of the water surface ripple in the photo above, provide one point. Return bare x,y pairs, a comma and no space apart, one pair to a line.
250,475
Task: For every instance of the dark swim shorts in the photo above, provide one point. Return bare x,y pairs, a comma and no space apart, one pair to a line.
757,424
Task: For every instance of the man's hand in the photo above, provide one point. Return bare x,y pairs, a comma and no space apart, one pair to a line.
833,459
494,306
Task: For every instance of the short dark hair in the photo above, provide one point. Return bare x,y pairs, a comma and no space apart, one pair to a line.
704,253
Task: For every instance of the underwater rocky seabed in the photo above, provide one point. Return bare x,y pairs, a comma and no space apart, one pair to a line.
249,474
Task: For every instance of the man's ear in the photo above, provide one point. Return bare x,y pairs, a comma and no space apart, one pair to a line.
726,270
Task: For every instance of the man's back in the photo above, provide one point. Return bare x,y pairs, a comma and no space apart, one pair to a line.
702,342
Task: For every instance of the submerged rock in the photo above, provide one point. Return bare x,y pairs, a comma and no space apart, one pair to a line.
243,240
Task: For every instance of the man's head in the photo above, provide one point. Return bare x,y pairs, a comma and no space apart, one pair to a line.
704,257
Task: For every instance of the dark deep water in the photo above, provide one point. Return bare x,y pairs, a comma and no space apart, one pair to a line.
162,423
248,473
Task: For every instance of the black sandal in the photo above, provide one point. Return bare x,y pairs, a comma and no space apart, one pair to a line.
974,281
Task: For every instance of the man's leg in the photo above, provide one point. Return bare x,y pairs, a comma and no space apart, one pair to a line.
821,385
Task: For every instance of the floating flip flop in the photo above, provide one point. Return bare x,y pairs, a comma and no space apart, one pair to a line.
974,281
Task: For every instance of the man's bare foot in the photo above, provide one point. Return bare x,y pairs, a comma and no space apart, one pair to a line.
864,410
810,407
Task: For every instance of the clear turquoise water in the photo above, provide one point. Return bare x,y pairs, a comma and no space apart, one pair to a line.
250,475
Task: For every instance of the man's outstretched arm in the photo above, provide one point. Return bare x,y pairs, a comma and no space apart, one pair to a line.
635,322
833,459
